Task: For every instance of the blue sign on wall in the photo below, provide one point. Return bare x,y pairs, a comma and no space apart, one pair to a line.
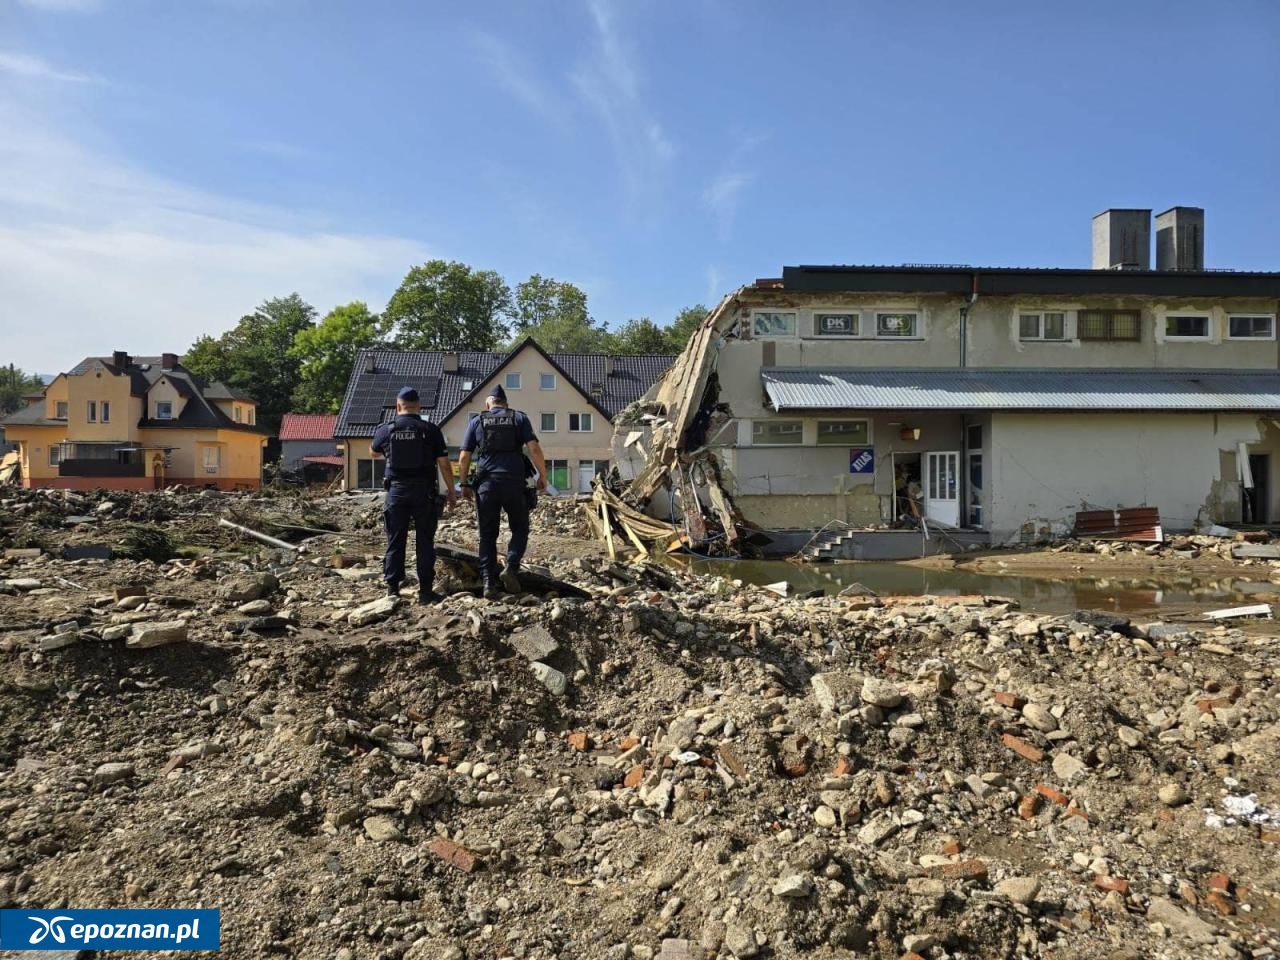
862,460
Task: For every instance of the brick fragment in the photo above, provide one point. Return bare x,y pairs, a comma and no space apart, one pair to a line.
952,847
1029,805
1188,893
972,869
1074,809
1010,700
1107,884
634,777
1055,796
626,743
1027,751
453,854
844,767
1165,815
1220,902
580,741
1220,882
176,761
733,763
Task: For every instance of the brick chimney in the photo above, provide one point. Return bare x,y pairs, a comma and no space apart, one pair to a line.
168,361
120,359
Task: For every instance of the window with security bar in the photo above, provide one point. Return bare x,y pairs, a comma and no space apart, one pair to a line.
1109,325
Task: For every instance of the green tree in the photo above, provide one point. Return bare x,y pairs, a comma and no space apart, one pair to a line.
445,305
541,300
255,356
681,329
327,353
15,385
639,335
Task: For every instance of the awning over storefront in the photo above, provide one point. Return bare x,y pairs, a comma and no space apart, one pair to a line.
1113,390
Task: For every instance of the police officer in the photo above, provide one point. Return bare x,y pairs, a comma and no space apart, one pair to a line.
416,455
499,485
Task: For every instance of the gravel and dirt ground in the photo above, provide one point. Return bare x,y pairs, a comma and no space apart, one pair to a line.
651,764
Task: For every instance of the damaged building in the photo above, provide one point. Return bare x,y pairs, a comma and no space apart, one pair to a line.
984,405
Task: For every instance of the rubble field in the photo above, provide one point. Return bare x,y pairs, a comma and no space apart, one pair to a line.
644,763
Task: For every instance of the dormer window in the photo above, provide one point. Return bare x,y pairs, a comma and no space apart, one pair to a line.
164,409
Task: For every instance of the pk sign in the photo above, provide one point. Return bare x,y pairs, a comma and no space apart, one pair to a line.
862,460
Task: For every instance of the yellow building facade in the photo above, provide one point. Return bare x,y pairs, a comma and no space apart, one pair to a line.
137,423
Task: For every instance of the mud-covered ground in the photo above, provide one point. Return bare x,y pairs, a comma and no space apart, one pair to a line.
687,768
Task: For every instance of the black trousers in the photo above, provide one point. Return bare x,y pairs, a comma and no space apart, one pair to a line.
496,495
410,504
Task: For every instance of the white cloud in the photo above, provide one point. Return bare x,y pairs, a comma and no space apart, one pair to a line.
722,197
59,6
97,254
608,82
512,71
26,65
63,5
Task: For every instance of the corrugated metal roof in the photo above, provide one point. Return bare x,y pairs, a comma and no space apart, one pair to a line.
1050,390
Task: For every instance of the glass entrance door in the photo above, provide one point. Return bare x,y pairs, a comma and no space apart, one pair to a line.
942,487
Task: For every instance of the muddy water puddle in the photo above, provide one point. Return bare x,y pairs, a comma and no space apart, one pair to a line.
1185,594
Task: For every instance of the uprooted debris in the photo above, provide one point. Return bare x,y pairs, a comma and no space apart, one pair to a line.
667,766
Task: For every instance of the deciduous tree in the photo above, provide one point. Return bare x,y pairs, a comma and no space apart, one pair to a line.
15,385
327,353
445,305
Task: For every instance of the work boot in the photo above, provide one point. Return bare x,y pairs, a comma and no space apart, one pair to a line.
510,581
491,591
428,598
393,589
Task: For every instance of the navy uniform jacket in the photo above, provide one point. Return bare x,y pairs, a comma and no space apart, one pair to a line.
433,447
501,464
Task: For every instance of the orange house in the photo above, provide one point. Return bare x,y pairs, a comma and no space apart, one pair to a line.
137,423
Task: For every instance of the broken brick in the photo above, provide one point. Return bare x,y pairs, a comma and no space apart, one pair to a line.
1029,805
733,763
1010,700
1107,884
1220,882
795,754
972,869
634,777
844,767
176,761
626,743
1023,749
1056,796
453,854
580,741
952,847
1074,809
1220,902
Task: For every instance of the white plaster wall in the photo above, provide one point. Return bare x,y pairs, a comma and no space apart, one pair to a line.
1048,467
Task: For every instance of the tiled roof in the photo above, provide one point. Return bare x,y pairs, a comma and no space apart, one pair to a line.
308,426
365,404
31,416
1030,389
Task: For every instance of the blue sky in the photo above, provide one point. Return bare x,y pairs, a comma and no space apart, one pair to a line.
165,165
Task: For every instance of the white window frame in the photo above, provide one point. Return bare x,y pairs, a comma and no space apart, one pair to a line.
1251,316
542,423
757,333
1040,314
1206,337
591,424
251,416
789,422
61,409
857,324
512,381
542,381
106,411
917,325
235,408
866,424
55,454
91,411
164,403
205,457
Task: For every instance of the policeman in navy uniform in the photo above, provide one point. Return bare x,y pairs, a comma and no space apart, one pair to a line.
416,455
499,485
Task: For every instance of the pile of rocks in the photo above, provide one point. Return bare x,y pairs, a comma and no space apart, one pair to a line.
674,767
